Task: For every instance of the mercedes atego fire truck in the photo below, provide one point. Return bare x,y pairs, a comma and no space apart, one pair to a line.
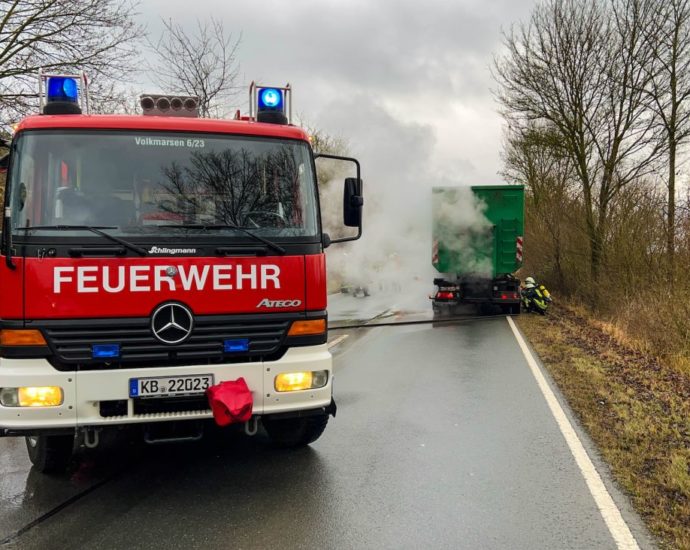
147,258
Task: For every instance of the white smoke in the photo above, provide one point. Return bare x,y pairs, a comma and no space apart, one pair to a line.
463,229
393,258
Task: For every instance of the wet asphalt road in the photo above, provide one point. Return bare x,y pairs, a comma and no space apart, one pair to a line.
442,440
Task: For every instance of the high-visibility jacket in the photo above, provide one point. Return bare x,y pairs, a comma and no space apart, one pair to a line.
533,296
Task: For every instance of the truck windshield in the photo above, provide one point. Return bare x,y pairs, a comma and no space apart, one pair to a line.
146,182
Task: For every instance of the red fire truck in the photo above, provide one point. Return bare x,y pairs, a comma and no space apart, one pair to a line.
148,258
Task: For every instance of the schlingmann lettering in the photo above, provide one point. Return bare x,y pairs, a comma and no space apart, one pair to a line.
148,278
161,250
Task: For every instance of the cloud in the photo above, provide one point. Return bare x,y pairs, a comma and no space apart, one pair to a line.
359,67
392,46
407,84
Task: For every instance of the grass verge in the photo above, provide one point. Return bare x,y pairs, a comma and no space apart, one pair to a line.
635,408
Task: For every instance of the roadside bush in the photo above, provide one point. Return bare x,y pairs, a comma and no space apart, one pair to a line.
633,292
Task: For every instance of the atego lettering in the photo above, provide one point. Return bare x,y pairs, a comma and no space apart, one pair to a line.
279,303
149,278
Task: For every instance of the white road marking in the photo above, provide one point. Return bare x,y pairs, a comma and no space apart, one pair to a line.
337,341
609,511
361,343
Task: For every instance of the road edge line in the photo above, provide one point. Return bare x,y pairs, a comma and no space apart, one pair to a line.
337,341
611,514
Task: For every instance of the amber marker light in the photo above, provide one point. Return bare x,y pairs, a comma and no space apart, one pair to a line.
306,328
21,337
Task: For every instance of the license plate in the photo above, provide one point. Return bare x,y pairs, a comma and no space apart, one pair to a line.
167,386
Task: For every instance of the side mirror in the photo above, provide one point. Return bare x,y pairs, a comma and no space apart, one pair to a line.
352,202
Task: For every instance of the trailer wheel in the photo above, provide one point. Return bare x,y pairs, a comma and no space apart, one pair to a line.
295,432
50,454
484,309
511,309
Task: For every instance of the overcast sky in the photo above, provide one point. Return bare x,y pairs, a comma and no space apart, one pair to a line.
400,80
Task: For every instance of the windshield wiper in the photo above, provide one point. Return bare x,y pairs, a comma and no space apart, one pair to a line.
98,230
211,227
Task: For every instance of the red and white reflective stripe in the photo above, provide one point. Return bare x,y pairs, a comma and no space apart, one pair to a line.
434,252
518,248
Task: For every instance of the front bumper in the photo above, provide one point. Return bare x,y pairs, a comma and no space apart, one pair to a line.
85,390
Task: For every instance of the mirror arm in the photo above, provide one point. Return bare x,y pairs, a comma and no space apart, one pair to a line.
7,239
359,178
338,157
345,239
6,247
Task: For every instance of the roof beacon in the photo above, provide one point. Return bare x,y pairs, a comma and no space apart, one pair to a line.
270,103
63,94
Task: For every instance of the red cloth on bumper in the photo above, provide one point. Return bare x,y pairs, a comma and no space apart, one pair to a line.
230,401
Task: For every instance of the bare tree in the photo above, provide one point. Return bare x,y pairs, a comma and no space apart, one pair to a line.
579,66
203,64
668,93
235,187
95,36
329,176
323,142
534,156
111,97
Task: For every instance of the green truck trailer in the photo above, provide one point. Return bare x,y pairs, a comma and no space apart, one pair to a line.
477,239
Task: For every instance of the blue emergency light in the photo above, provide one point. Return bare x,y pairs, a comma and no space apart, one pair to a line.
233,346
105,351
270,104
271,99
62,88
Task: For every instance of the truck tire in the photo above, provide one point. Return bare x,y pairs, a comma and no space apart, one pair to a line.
295,432
511,309
50,454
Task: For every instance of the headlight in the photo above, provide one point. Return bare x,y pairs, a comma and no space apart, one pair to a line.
306,380
32,396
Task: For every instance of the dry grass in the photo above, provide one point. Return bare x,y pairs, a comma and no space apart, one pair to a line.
634,406
662,321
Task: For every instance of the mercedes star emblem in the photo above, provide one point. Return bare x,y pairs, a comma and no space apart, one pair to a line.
171,271
172,323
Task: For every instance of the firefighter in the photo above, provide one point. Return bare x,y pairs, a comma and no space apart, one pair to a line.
535,297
